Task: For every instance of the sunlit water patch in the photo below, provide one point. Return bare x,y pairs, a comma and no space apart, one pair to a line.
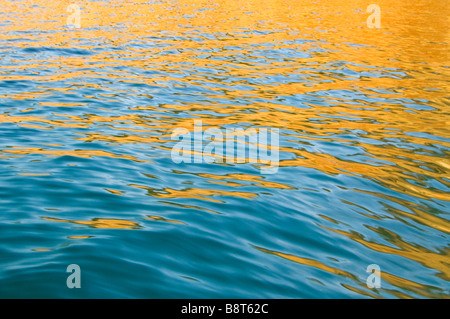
88,177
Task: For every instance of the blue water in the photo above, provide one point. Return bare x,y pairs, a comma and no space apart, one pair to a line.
87,176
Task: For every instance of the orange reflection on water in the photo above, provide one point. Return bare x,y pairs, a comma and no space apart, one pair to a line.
106,223
404,284
312,69
194,193
439,261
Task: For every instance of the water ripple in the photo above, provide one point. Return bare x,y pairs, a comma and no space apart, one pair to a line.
87,178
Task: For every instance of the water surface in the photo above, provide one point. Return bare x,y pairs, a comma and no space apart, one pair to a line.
87,178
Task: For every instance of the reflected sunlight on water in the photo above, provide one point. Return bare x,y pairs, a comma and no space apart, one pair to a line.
86,121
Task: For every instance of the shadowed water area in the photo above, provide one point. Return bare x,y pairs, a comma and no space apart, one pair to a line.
87,178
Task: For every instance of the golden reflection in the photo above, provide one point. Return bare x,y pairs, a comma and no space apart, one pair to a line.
194,193
422,214
162,219
439,261
76,153
380,92
256,180
190,207
114,191
100,223
79,237
404,284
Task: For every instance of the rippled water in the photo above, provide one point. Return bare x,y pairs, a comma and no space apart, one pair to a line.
87,178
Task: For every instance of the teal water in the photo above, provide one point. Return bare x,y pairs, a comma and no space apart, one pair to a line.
87,177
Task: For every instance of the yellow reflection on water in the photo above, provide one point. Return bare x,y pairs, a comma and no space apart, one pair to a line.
329,49
106,223
340,23
439,261
162,219
79,237
76,153
404,284
194,193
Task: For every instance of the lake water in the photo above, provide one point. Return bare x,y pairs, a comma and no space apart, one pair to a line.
87,175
